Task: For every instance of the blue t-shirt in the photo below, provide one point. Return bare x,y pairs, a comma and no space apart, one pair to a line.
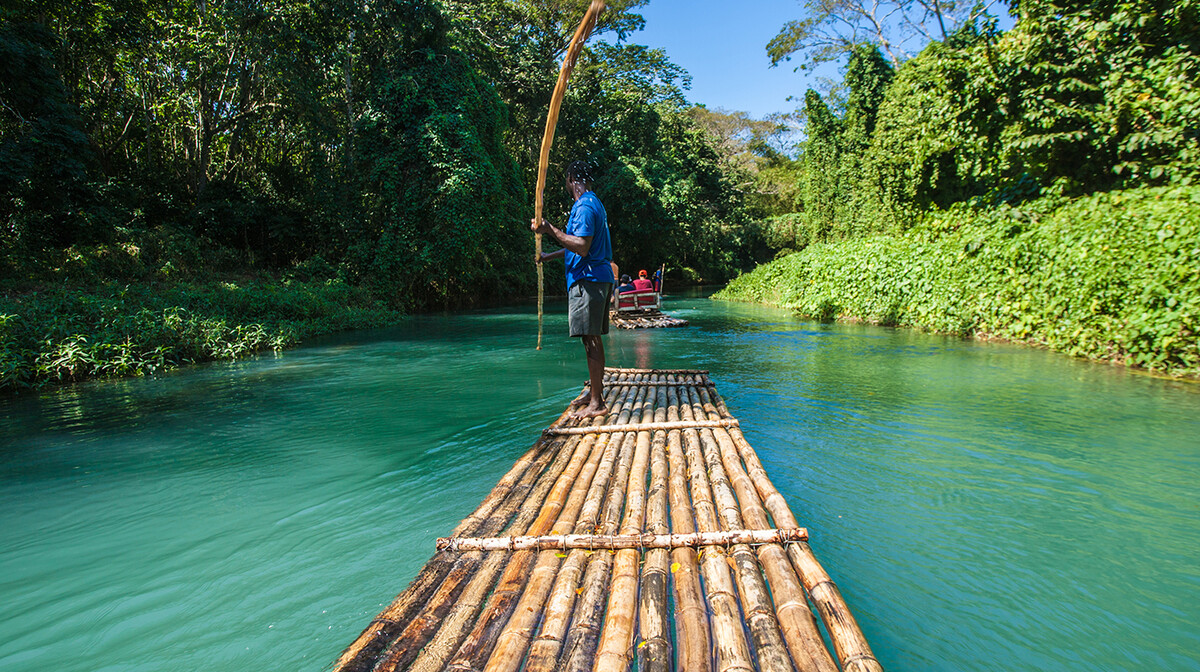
588,218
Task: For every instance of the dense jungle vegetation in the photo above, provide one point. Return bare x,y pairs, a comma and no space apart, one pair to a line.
189,181
1040,185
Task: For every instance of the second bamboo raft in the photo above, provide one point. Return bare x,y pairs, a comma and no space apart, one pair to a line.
698,564
644,319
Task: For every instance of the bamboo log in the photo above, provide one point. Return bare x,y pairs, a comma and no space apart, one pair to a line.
691,614
673,430
616,637
769,646
654,649
622,541
436,654
797,629
661,372
503,500
478,645
543,652
513,641
421,630
560,88
851,646
732,651
580,646
433,654
795,617
454,637
652,383
641,427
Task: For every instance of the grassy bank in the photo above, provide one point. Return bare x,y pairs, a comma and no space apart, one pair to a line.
1113,277
67,332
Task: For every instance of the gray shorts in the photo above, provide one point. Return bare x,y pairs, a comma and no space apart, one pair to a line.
587,307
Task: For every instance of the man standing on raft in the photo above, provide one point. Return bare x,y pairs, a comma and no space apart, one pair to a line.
587,251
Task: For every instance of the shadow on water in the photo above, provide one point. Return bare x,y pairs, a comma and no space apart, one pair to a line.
982,506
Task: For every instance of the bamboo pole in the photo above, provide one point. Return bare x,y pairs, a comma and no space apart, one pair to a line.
691,614
616,637
505,496
560,88
769,646
732,652
620,541
457,622
654,649
580,645
851,646
641,427
543,652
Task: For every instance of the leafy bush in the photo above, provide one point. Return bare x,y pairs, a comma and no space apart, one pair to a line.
66,334
1111,276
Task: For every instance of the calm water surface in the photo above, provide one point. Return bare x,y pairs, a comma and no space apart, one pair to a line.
982,506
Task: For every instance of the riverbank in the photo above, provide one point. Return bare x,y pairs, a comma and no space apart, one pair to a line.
63,332
1108,277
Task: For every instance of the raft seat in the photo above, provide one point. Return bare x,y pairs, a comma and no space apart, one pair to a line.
644,299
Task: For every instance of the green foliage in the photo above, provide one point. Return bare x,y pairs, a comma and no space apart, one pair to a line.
267,134
938,130
1077,98
45,158
59,333
820,188
1110,276
442,197
668,198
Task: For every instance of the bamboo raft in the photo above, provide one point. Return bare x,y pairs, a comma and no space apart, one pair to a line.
651,536
645,319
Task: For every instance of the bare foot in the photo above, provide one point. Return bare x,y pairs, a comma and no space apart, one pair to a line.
592,410
582,399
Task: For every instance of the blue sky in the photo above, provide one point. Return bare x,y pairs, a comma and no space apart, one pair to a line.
723,45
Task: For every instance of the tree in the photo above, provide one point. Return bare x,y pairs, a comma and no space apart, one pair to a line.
46,161
822,152
833,28
757,157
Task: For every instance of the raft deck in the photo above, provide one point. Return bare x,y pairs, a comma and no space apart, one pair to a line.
644,319
652,535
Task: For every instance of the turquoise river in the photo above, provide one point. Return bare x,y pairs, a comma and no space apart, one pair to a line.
982,506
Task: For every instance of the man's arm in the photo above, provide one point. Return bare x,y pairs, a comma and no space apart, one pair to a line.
547,256
577,244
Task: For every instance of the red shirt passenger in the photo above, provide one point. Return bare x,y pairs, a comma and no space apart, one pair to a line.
642,281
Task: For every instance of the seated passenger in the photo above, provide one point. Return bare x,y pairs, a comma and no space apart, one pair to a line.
643,282
626,285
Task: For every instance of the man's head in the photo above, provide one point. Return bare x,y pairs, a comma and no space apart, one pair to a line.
625,279
642,273
579,172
